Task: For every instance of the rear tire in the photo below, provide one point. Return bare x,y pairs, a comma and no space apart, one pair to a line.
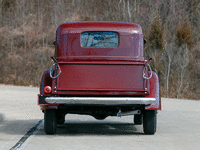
149,121
138,119
60,118
50,122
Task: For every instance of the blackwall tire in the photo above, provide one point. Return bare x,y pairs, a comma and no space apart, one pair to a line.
50,122
60,118
138,119
149,121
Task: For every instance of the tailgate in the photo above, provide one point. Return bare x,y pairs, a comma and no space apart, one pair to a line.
100,77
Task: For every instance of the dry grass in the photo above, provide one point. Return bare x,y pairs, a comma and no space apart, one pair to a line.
27,30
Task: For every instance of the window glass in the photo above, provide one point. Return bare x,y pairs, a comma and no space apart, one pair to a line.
99,39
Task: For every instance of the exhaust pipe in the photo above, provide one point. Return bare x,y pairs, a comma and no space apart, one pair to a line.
134,112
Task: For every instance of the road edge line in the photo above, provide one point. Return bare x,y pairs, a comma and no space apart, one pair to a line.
26,136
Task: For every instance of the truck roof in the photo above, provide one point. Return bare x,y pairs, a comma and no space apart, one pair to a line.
99,25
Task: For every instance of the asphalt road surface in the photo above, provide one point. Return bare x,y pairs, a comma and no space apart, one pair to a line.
21,127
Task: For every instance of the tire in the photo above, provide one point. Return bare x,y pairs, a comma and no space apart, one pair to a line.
138,119
60,118
149,121
50,122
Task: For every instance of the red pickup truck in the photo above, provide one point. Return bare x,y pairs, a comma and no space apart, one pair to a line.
99,70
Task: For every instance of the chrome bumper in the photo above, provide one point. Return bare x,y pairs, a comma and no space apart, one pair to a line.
100,100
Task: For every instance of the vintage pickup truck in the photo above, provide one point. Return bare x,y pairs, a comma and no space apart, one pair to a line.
99,69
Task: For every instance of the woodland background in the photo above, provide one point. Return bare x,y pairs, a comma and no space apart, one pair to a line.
171,27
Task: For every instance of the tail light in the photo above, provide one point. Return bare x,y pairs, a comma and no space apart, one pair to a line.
47,89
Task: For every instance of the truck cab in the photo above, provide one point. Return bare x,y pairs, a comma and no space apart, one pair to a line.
99,69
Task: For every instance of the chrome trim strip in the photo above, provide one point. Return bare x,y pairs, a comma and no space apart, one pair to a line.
100,100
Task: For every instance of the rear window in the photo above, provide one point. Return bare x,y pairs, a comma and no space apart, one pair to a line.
99,39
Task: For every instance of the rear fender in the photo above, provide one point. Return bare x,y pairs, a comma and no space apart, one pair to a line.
46,81
154,92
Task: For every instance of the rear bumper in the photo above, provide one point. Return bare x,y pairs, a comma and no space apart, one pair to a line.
100,100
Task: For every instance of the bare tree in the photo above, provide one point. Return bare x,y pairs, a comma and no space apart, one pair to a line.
168,50
28,28
182,62
128,9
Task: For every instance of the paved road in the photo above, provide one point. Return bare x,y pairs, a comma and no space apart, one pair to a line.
178,126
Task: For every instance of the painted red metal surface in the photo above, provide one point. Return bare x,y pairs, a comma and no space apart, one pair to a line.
101,70
105,69
100,77
154,92
130,42
46,81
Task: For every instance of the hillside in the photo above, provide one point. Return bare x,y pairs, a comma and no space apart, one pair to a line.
171,27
